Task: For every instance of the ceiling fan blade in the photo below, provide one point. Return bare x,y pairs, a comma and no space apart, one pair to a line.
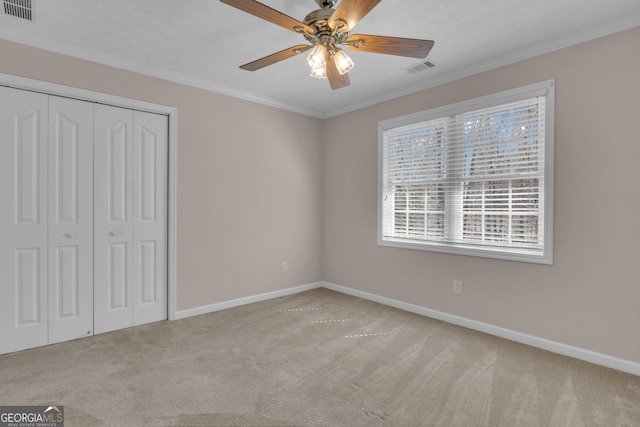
276,57
336,80
268,14
351,12
415,48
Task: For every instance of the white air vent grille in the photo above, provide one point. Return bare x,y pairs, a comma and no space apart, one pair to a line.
18,8
425,65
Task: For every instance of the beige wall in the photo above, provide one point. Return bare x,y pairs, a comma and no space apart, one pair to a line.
590,296
304,190
249,179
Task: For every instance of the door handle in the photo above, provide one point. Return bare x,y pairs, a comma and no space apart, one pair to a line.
70,235
113,233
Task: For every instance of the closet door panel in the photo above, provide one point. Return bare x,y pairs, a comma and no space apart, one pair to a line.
83,218
70,207
113,145
150,177
23,219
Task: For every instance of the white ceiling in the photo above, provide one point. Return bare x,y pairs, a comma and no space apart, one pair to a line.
202,42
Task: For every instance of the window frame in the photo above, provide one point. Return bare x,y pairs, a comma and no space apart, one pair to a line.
547,89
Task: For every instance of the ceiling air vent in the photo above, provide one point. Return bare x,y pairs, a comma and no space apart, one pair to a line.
18,8
420,67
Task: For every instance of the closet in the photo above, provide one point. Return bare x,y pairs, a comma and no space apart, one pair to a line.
83,218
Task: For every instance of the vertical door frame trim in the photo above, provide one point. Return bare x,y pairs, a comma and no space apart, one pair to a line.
47,88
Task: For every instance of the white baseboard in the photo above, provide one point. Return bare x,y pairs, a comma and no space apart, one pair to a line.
246,300
552,346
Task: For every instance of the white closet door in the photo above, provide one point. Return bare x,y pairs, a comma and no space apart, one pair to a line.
66,258
113,235
23,219
131,157
150,212
70,219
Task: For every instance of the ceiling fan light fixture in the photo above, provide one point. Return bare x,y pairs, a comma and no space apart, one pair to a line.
344,64
317,57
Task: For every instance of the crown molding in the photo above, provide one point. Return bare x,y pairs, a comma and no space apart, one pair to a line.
136,67
113,61
511,58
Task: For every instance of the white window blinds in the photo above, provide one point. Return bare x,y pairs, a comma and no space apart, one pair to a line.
471,180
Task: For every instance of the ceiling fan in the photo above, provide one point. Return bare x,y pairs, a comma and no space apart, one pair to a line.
326,29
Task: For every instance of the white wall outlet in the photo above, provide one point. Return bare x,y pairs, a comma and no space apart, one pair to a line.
285,266
457,287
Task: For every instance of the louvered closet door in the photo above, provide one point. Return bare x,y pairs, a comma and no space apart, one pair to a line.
130,218
70,207
23,220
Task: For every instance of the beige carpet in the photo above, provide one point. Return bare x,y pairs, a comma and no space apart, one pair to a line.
318,358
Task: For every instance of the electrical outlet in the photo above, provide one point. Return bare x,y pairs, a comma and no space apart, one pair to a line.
457,287
285,266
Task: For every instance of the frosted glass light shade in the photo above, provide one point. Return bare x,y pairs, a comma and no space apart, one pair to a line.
317,57
319,72
343,63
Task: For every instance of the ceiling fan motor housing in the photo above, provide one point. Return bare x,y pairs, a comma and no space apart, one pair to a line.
325,4
319,20
317,16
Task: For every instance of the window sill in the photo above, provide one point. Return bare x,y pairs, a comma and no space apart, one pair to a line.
510,254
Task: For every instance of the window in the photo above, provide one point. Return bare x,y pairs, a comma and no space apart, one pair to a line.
472,178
